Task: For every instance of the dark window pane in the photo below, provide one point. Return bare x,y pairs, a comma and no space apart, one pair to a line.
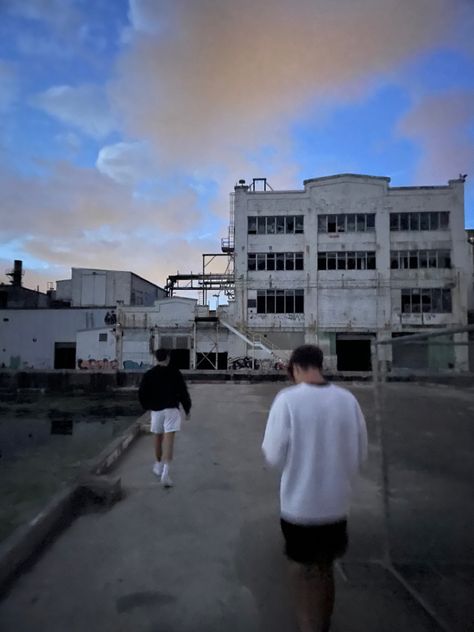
404,221
341,223
290,224
434,221
251,303
251,262
360,260
432,259
424,221
280,302
394,221
280,225
360,223
261,225
299,301
446,299
394,260
252,225
351,261
299,261
261,303
414,221
290,302
261,259
341,260
332,223
351,223
415,302
413,260
436,300
322,263
299,224
289,261
270,301
270,225
371,222
280,260
270,261
406,301
331,260
444,220
371,261
403,258
423,258
426,301
323,223
444,259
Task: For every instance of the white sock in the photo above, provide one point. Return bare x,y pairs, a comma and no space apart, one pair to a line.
166,469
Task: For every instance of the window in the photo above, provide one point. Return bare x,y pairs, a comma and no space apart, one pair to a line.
275,261
347,260
347,223
426,300
271,225
251,303
103,337
415,221
416,259
280,301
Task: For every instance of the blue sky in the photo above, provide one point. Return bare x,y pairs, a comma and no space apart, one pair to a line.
124,125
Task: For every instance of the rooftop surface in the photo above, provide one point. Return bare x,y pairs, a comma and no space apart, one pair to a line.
207,554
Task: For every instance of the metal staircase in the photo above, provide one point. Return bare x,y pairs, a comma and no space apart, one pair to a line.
257,341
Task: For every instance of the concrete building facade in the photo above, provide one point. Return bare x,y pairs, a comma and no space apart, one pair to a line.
349,259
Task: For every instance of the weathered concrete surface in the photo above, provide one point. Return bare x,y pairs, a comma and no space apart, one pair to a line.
206,555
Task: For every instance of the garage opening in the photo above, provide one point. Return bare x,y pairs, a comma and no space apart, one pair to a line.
207,361
179,358
353,352
64,355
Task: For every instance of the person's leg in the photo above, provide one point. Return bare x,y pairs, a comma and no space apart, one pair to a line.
158,446
314,595
168,447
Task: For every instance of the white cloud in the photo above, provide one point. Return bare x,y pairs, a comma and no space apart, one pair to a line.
85,107
62,15
126,163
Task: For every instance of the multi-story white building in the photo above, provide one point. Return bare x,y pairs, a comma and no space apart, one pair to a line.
348,259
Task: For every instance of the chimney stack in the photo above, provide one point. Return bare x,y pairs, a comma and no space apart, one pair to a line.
17,273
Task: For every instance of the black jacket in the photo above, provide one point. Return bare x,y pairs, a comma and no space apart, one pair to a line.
164,387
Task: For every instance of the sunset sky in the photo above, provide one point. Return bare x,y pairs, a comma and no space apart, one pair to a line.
125,125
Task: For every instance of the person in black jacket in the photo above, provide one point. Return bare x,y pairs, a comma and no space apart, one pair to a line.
161,391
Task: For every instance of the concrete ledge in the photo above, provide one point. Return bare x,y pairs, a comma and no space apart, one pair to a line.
22,547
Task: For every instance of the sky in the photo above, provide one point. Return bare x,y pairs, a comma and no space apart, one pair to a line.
124,125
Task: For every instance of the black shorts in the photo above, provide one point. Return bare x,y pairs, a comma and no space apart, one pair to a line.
315,544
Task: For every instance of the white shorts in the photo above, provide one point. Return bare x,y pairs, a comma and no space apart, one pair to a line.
167,420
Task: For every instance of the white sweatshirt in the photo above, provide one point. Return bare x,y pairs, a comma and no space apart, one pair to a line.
318,436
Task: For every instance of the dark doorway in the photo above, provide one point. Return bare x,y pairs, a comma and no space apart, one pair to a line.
64,355
353,353
179,358
207,361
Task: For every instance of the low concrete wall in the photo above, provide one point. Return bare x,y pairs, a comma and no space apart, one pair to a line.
21,548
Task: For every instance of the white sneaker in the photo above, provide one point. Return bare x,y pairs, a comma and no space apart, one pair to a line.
166,480
158,469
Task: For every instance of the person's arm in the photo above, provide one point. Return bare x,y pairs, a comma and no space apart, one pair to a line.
144,391
362,434
277,433
183,393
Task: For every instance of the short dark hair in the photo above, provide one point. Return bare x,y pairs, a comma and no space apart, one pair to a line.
306,356
162,355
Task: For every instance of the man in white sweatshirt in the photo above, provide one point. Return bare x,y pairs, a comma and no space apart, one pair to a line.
316,434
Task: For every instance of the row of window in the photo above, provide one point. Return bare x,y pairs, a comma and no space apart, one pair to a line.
416,259
414,301
275,261
348,223
422,220
351,260
278,302
275,224
429,300
363,260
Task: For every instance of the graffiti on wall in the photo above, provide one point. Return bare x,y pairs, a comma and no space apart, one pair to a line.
91,364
